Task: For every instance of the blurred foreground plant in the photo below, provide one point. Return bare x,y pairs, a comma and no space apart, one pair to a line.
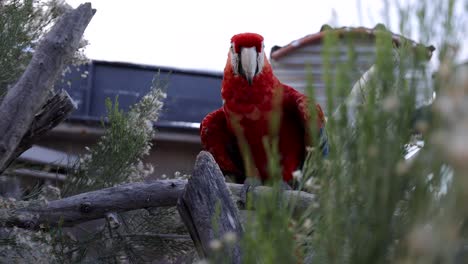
375,206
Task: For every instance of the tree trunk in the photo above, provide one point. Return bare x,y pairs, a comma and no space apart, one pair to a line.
29,94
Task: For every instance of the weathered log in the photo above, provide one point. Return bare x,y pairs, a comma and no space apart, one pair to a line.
96,204
207,209
28,95
57,108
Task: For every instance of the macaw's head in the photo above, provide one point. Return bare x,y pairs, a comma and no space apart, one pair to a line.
247,55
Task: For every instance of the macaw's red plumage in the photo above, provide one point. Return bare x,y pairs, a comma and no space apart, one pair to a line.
251,95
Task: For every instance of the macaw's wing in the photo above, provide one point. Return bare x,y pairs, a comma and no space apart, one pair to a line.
217,138
298,104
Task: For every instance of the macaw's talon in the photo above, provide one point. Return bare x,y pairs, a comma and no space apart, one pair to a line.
249,185
285,186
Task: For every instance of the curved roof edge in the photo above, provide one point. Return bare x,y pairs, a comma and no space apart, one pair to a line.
278,52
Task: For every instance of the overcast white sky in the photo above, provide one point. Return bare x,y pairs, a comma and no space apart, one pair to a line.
196,34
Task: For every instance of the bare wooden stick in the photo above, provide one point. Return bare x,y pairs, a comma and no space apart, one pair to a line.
96,204
28,95
207,209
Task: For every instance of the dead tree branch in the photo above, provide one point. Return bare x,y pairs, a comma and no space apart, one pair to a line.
21,103
96,204
207,209
56,109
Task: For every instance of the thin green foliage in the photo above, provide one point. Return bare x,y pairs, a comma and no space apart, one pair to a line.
373,205
360,187
22,23
117,157
268,236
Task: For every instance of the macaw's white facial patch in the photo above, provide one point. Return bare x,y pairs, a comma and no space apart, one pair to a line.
248,62
261,59
234,59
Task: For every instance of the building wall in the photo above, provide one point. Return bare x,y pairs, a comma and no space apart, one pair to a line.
296,67
167,155
303,63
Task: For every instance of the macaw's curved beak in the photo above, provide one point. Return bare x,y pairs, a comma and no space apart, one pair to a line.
248,63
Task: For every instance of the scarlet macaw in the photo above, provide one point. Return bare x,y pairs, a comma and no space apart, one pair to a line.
249,89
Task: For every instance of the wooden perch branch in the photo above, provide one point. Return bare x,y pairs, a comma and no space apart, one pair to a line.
207,209
21,103
96,204
301,200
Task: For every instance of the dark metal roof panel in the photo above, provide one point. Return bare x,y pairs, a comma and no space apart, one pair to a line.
190,94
